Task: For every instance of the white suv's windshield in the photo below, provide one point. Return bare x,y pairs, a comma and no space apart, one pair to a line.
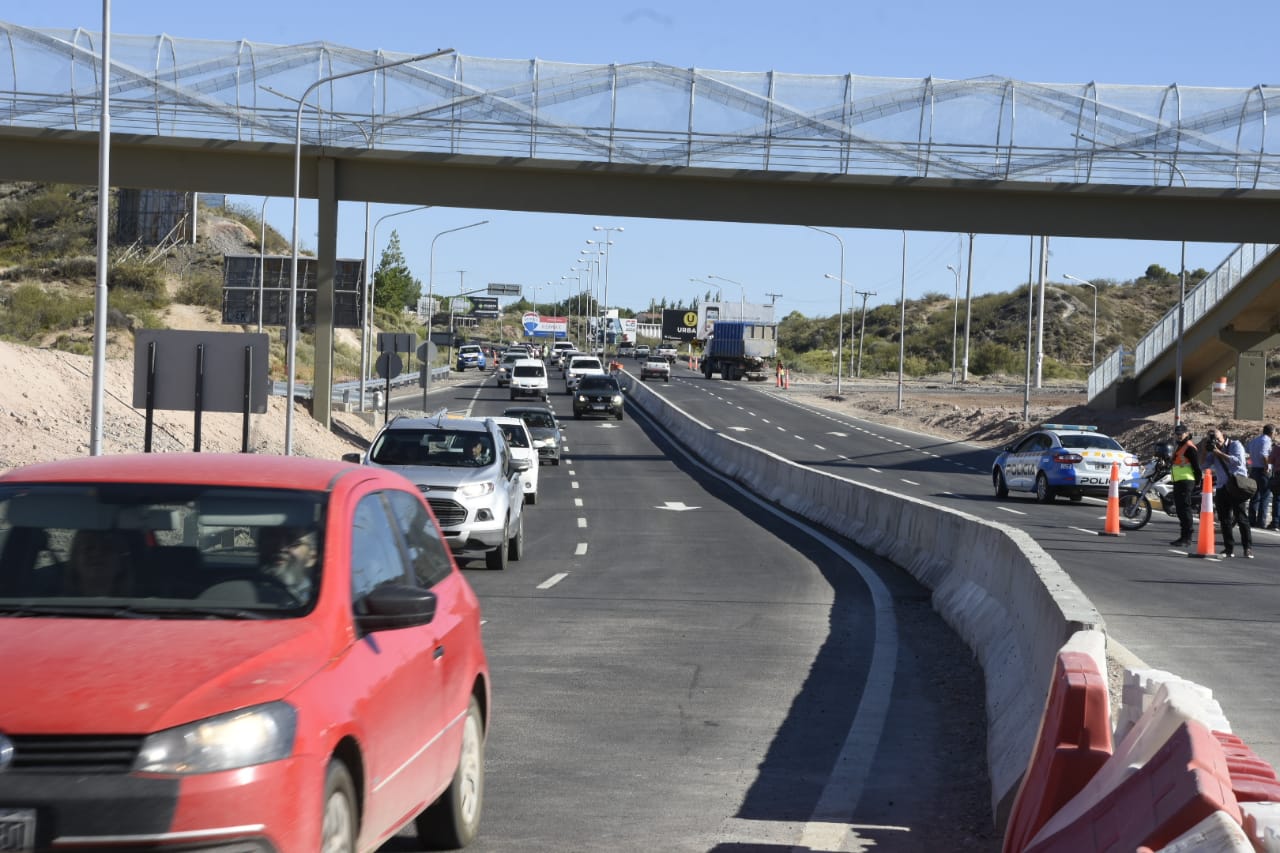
448,448
585,364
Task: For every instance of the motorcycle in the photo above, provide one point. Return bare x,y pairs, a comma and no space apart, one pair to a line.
1154,484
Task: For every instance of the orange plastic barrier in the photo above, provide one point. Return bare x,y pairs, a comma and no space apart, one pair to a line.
1073,742
1204,544
1184,782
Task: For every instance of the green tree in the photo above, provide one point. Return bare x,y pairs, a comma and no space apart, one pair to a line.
394,287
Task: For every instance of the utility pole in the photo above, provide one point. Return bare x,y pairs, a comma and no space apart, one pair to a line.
864,294
773,297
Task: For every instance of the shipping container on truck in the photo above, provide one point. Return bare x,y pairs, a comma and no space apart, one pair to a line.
738,348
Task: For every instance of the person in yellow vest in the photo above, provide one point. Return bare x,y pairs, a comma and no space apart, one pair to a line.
1184,471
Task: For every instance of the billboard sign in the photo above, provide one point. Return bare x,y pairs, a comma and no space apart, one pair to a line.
679,324
541,326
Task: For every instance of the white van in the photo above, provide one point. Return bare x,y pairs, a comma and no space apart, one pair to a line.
529,379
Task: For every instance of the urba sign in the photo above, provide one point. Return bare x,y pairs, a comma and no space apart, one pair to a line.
679,324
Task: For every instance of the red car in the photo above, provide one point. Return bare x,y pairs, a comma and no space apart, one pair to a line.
233,652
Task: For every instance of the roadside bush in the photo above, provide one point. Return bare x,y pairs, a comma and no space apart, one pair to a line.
139,305
202,287
141,279
31,312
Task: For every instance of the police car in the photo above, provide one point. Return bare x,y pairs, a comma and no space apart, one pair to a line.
1063,459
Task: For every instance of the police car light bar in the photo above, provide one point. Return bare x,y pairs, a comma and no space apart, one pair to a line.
1070,426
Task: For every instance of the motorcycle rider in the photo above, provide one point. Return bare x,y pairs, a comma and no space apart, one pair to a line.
1184,472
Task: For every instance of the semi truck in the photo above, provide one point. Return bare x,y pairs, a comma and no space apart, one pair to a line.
738,348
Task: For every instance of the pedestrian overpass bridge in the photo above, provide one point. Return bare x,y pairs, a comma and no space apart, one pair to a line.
984,155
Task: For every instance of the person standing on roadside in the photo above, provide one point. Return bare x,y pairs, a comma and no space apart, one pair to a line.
1225,459
1259,450
1274,462
1184,471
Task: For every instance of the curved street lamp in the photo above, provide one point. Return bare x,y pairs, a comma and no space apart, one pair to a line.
839,311
955,324
292,319
1093,358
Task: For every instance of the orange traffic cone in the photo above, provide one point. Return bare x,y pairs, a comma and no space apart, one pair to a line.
1113,503
1204,544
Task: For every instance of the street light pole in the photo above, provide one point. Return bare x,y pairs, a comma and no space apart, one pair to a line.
839,312
292,319
955,324
367,330
431,284
1093,358
607,229
840,325
742,304
902,322
262,263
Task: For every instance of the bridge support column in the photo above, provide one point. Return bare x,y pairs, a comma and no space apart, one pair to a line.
327,264
1251,369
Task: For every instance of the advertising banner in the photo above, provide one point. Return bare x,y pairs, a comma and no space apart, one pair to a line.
539,326
679,324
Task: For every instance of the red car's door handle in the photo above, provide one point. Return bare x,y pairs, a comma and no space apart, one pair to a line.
438,653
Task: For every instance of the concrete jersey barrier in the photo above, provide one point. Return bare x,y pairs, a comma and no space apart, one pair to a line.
995,586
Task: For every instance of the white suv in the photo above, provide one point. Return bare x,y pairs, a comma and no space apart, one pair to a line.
580,366
528,379
467,473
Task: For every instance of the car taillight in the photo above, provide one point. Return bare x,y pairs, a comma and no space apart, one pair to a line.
1068,458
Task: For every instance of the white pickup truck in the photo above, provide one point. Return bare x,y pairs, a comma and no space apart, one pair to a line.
580,366
669,352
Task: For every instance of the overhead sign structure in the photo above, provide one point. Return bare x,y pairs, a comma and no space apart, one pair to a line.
503,289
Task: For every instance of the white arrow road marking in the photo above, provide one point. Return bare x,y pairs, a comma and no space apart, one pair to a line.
580,550
553,580
677,506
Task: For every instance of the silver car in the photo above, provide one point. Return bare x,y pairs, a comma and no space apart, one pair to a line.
466,471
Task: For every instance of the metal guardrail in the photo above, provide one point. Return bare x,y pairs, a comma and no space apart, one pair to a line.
1197,303
1203,297
349,392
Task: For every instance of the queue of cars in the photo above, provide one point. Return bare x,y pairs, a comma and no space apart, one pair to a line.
304,658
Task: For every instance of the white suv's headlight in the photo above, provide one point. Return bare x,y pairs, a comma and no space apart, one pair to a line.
617,398
226,742
476,490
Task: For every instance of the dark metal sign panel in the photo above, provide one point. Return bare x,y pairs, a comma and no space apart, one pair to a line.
679,324
224,369
242,274
503,289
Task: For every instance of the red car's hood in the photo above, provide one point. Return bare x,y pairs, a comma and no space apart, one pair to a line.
121,676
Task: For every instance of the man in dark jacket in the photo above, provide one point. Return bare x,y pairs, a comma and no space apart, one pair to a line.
1184,471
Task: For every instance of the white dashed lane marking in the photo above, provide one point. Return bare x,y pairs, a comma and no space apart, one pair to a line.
580,550
553,580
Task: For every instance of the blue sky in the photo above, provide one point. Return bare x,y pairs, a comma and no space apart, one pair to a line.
1175,42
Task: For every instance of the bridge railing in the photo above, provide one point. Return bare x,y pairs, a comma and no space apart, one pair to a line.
1202,298
1108,372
